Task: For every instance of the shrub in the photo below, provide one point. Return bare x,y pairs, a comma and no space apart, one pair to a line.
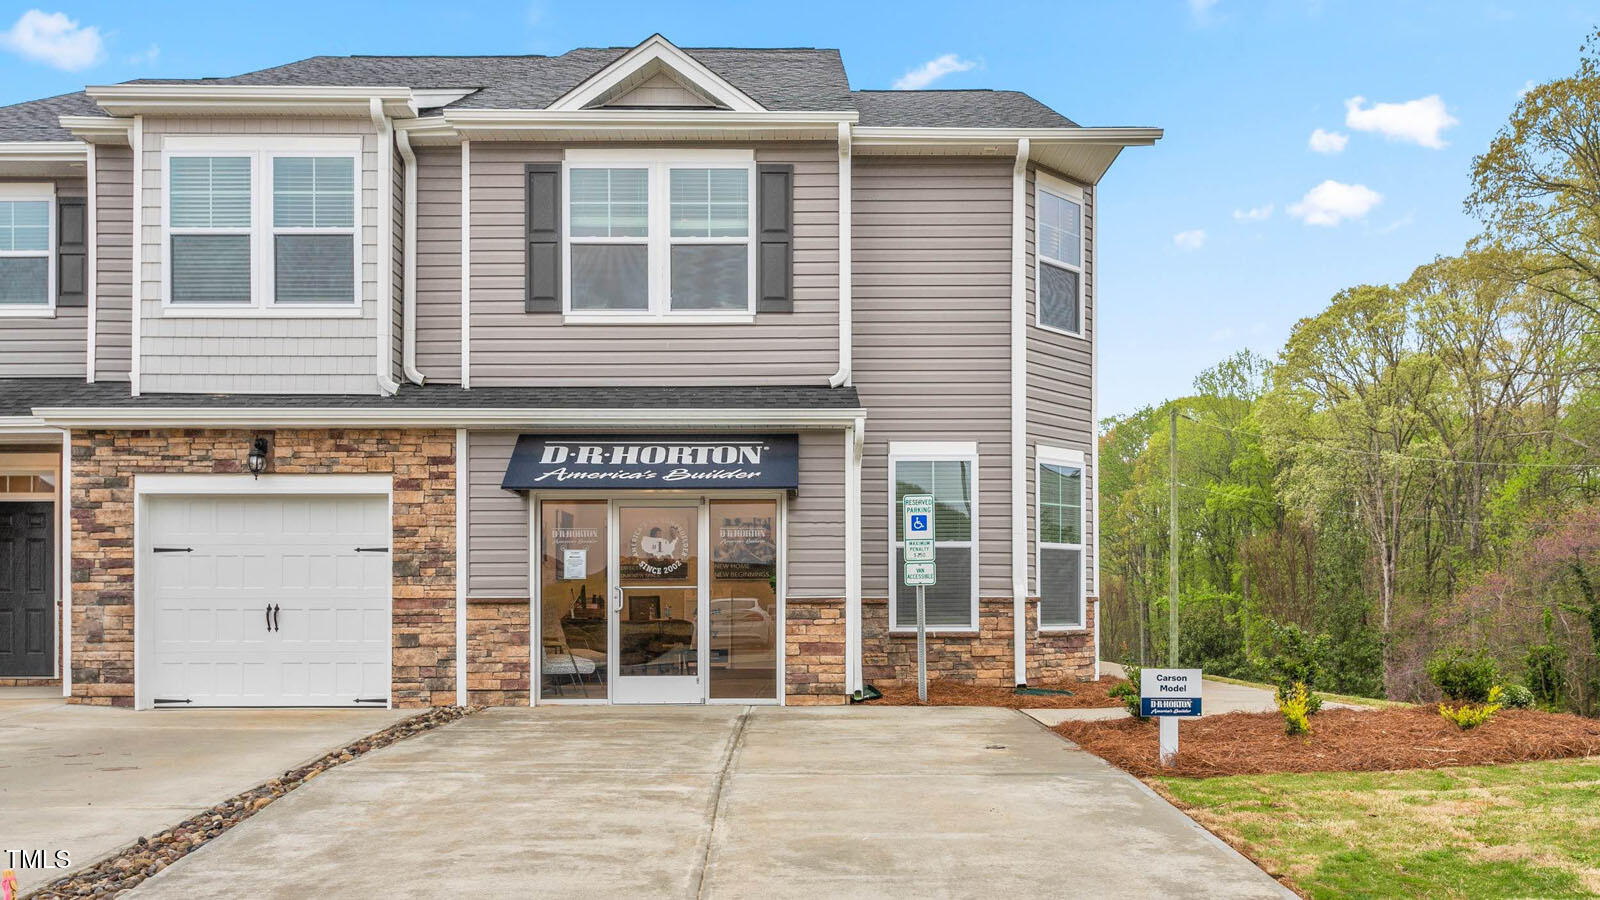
1471,715
1545,666
1517,697
1296,706
1128,691
1464,677
1297,659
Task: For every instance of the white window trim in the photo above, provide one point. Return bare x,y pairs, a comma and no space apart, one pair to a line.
936,451
34,192
1048,184
1060,456
261,151
658,235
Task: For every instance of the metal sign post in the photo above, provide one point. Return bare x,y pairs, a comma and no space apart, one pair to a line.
1169,695
919,572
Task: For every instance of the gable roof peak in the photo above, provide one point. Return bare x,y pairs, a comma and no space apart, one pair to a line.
647,59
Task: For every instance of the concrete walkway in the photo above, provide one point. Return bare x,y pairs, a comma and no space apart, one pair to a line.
728,802
89,780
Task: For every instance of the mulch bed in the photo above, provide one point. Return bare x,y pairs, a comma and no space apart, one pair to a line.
126,870
1342,740
1085,695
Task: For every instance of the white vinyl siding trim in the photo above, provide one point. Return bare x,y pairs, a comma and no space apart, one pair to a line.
934,452
20,240
658,238
1059,458
261,228
1046,189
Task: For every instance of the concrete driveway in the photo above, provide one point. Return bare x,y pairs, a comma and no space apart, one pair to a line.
89,780
732,802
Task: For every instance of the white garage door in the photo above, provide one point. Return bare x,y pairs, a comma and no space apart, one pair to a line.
267,600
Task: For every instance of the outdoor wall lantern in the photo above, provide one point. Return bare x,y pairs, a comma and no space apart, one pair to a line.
257,461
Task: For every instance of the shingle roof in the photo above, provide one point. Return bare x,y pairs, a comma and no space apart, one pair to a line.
37,120
20,396
956,109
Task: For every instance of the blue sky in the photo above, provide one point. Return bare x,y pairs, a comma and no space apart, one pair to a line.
1239,87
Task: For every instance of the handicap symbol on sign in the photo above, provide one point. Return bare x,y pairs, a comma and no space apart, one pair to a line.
919,522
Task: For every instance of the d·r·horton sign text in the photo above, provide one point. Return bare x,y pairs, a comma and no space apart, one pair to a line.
542,462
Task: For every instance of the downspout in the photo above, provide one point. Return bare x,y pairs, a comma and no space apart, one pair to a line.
385,310
1019,413
408,313
466,265
853,443
842,377
136,251
66,562
90,278
1094,412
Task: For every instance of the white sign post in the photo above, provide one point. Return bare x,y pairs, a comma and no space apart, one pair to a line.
1169,695
920,571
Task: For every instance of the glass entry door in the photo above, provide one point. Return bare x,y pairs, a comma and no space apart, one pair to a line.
657,603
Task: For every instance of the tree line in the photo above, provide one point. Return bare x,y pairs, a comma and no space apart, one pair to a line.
1416,471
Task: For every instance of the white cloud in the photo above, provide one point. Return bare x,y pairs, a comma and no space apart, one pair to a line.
1331,202
1253,214
150,55
933,70
1527,86
1419,121
54,39
1199,8
1190,240
1399,223
1328,141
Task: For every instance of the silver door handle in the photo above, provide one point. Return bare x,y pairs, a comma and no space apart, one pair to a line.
617,593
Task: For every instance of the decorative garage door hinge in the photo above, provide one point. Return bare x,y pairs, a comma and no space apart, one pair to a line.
172,549
372,700
160,701
372,549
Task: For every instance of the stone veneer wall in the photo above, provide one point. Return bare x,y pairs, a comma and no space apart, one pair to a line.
105,465
813,652
498,665
983,658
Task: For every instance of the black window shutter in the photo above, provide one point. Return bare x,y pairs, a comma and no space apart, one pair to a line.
775,256
72,252
543,236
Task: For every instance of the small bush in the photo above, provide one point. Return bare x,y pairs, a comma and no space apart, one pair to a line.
1297,659
1464,677
1128,692
1313,700
1517,697
1295,708
1471,715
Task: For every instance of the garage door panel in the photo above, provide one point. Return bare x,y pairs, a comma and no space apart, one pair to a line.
212,644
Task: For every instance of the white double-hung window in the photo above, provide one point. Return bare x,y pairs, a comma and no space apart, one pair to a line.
268,225
660,236
27,249
1058,554
1058,214
948,470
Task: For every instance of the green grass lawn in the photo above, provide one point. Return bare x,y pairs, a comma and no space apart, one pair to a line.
1524,830
1330,698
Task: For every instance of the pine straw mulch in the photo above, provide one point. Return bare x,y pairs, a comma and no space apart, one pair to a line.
1085,695
1342,740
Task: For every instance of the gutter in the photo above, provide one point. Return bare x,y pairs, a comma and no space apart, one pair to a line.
846,188
453,417
385,305
1019,413
408,315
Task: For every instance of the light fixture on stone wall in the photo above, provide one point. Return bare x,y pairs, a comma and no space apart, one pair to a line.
257,461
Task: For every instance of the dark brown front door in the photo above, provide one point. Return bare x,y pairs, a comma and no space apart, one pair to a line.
27,579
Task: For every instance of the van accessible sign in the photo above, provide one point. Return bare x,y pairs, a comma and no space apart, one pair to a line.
1169,692
643,461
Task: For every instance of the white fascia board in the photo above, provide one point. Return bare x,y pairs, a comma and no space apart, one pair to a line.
656,47
345,417
871,136
234,99
98,129
43,151
27,427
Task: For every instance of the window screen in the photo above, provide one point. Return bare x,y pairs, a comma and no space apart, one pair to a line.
951,602
1060,560
24,253
209,215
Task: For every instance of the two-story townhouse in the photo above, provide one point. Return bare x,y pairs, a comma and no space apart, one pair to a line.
526,379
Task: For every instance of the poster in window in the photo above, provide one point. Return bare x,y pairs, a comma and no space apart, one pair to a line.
746,547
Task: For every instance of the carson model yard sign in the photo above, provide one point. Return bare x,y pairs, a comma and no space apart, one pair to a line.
1169,695
653,461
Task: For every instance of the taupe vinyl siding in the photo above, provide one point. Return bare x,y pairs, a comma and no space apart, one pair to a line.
510,346
258,354
439,263
498,544
1060,390
113,215
932,287
47,347
497,520
816,518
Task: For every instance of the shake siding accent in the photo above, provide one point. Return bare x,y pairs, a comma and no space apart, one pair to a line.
257,354
46,346
1059,390
498,543
932,288
113,211
512,347
439,263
